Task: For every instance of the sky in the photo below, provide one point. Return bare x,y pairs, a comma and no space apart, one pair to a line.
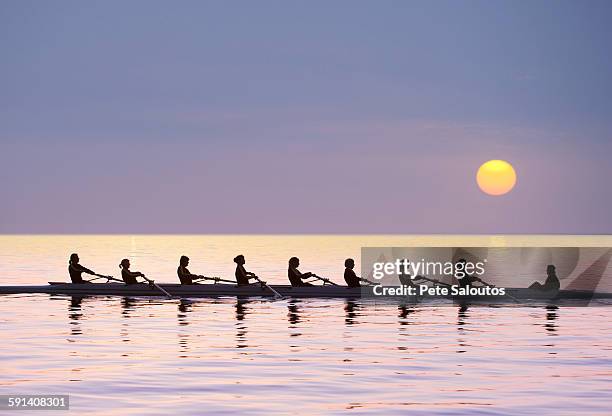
304,117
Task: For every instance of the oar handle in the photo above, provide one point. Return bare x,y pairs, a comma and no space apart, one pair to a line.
161,289
108,278
364,280
262,282
214,279
276,293
324,280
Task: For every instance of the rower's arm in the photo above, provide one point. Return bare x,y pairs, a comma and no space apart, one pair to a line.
357,277
184,272
82,269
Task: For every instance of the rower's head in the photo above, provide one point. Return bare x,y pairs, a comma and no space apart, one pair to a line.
349,263
125,264
184,261
551,269
294,262
74,258
239,259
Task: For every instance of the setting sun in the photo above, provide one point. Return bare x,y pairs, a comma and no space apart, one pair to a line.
496,177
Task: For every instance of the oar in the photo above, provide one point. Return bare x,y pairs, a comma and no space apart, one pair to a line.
505,294
164,291
324,280
481,281
364,280
215,279
108,278
99,277
437,282
276,293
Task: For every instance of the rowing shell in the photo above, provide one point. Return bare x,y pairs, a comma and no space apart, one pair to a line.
216,290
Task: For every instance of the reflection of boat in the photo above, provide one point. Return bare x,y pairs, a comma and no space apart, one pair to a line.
213,290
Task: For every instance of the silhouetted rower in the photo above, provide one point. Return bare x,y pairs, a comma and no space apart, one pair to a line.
405,278
129,277
295,276
183,272
351,279
242,276
467,280
552,281
75,269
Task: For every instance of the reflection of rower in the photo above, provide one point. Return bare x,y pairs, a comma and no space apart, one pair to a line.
241,328
351,279
241,308
242,276
75,314
551,317
552,281
293,315
352,311
403,313
127,306
184,307
295,276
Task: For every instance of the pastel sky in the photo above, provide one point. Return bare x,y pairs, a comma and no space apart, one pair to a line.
304,117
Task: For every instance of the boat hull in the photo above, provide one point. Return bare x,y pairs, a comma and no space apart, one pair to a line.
328,291
177,290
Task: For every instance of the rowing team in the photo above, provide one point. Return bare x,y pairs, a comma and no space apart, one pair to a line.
243,277
296,278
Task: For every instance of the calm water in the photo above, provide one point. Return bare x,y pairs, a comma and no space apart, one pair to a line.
157,356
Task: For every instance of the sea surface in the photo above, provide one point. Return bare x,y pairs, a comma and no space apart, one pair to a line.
134,356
